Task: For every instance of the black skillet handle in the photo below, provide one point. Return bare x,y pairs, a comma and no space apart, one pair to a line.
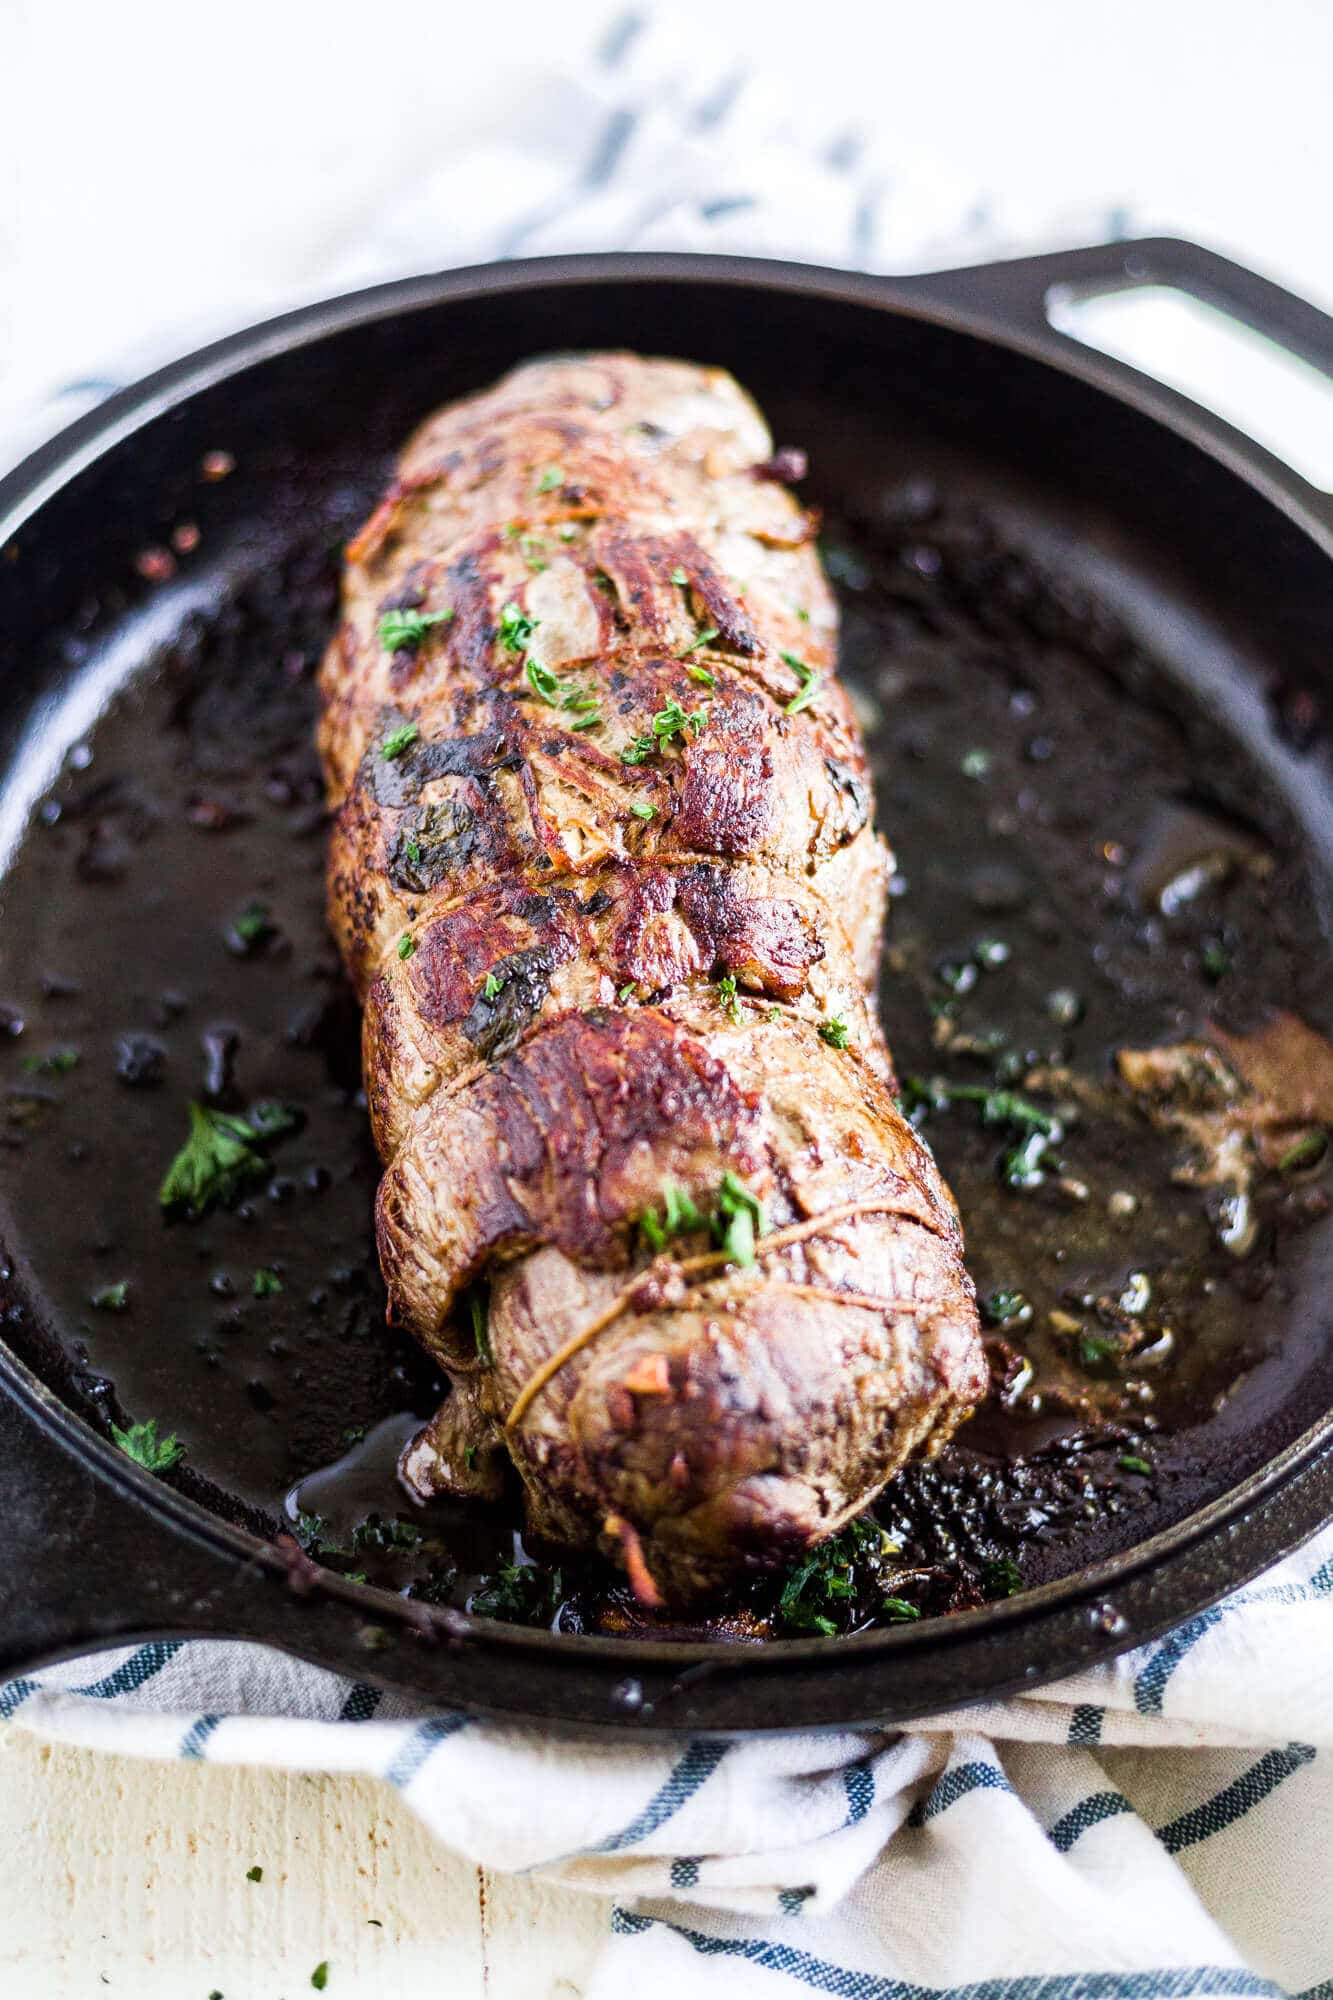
1021,293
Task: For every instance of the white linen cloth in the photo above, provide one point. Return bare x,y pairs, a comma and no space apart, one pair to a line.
1161,1826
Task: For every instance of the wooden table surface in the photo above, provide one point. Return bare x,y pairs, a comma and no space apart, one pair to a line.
120,1876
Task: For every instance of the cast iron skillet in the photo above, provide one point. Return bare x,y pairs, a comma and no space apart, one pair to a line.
1217,551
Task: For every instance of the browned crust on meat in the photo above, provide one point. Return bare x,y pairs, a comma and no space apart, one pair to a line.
537,928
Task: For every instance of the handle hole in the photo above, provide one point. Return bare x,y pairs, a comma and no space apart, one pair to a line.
1274,397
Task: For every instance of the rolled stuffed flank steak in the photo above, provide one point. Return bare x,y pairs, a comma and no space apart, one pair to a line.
604,875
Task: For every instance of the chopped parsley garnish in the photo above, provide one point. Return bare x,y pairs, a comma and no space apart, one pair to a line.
641,809
1034,1130
400,740
533,550
702,675
469,1456
1096,1352
515,627
397,629
519,1594
841,1581
679,1215
254,926
705,638
142,1443
568,530
626,992
267,1283
112,1298
319,1978
1002,1577
1215,960
803,614
221,1156
552,477
481,1338
543,683
407,944
835,1032
584,707
1132,1463
377,1533
975,764
1310,1147
678,576
809,677
1005,1308
727,998
255,1874
737,1219
493,985
673,720
56,1062
413,852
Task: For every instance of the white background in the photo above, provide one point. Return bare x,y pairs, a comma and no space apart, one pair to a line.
170,170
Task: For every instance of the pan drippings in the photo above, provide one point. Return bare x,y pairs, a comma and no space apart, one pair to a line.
1085,863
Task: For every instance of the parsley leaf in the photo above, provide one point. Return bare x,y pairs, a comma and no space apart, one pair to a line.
809,677
112,1298
267,1283
835,1031
142,1443
670,721
1034,1131
626,992
1131,1463
678,576
705,638
515,627
407,944
255,1874
1005,1308
319,1978
400,740
494,984
679,1214
727,998
543,682
253,927
641,809
737,1219
397,629
1002,1578
56,1062
832,1583
552,477
519,1594
1311,1146
220,1157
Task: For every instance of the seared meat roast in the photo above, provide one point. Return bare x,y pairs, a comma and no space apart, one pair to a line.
604,874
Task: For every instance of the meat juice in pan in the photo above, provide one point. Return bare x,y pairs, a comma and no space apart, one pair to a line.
164,940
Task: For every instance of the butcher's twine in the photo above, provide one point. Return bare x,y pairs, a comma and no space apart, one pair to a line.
1159,1826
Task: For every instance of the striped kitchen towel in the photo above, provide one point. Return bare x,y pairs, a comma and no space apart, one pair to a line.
1160,1826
